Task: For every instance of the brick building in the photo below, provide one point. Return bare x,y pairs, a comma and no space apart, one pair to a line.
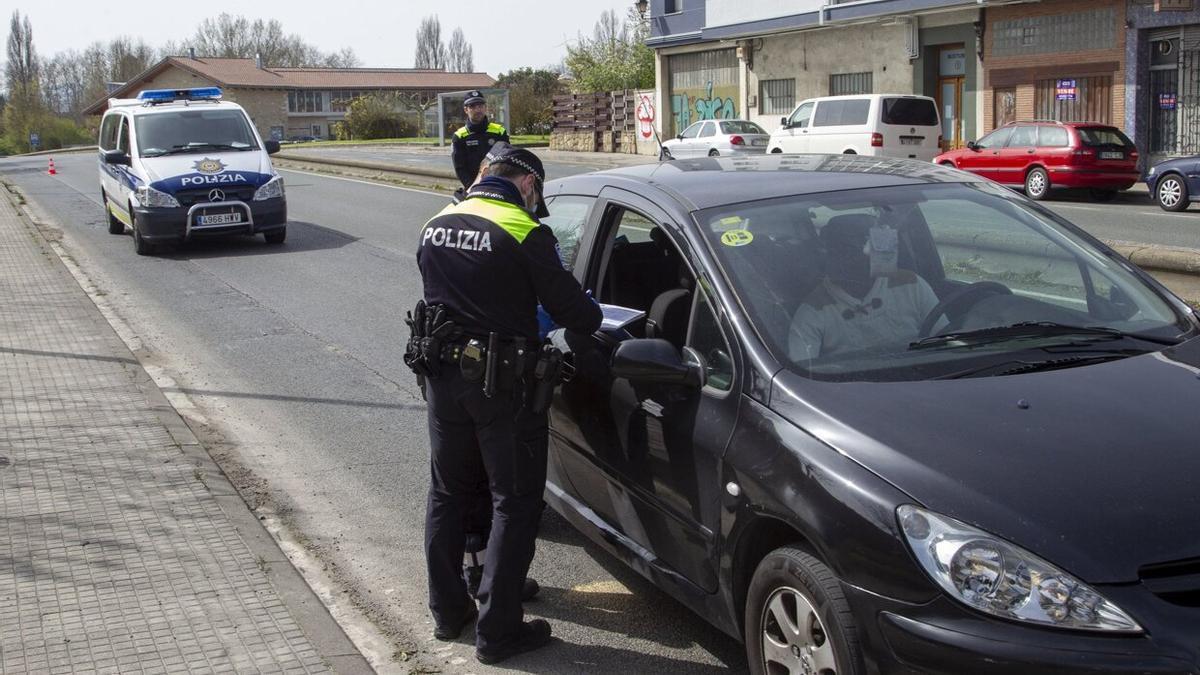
289,102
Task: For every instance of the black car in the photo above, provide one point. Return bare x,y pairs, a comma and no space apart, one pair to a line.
1174,182
874,415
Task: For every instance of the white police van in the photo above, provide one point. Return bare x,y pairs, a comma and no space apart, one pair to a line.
180,163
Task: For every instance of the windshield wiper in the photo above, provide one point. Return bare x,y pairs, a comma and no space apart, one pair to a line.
184,147
1022,367
1031,329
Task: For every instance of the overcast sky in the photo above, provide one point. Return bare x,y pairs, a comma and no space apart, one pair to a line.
505,34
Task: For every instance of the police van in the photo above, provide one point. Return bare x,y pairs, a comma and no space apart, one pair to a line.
181,163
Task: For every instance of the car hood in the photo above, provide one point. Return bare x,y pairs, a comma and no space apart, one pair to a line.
1095,468
171,173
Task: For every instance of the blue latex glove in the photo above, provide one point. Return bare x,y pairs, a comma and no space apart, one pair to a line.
545,323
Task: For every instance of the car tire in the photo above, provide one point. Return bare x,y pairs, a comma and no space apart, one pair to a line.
1171,193
777,151
1037,183
115,226
949,164
714,153
664,155
1103,195
140,245
276,237
797,618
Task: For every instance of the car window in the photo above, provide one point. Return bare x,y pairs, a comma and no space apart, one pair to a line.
1097,136
741,127
1053,137
709,129
108,132
123,136
842,113
194,130
706,338
1023,137
801,117
840,285
912,112
691,131
996,139
568,216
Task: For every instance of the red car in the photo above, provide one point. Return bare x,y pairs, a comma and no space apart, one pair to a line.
1043,155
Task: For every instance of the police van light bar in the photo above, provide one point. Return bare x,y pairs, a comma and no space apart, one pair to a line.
197,94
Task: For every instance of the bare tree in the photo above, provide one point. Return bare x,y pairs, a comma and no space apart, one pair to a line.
229,36
460,55
21,71
431,51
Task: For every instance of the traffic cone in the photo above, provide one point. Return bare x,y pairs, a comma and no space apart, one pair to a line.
52,172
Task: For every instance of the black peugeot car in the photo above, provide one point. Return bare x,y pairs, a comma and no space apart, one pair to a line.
881,416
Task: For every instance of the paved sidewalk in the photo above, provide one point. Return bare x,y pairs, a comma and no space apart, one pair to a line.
118,550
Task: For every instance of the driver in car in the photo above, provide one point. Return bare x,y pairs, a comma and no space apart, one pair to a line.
863,301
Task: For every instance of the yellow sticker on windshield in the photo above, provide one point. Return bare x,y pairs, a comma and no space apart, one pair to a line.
737,238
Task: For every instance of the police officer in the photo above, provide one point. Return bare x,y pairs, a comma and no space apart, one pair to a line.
472,142
486,263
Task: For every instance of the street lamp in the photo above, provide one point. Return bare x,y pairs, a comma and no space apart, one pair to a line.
642,6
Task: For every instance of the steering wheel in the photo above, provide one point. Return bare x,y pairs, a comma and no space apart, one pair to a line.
959,301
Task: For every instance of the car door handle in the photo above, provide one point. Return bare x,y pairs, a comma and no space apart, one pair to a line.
1030,152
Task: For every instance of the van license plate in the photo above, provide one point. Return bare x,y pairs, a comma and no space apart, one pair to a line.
1112,155
911,140
220,219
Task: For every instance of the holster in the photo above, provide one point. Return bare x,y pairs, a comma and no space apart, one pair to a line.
430,328
546,376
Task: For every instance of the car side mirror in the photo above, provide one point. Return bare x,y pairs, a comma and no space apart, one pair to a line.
656,360
272,146
679,137
972,145
115,157
783,121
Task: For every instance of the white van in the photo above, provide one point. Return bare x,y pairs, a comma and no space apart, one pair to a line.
888,125
177,163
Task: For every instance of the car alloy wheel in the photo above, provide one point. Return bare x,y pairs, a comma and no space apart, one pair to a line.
797,619
1172,194
1037,184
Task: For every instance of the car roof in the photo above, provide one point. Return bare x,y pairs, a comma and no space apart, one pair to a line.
1058,123
714,181
173,106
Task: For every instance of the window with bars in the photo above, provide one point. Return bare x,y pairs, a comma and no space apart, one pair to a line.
776,97
848,84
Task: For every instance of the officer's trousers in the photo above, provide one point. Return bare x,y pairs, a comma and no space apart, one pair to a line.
472,436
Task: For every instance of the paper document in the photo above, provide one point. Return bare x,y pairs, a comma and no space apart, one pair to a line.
616,316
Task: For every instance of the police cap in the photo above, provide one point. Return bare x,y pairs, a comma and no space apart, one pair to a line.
503,153
474,96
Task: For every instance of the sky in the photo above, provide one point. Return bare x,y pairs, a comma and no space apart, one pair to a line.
505,34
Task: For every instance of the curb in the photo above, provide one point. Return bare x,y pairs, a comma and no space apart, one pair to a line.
61,151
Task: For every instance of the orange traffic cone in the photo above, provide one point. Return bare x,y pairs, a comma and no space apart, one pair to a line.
52,172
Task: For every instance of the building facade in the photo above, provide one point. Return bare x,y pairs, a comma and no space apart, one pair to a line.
756,59
298,102
1162,82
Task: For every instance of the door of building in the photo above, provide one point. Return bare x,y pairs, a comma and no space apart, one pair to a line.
952,72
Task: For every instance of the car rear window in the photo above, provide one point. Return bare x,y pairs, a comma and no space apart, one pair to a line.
1053,137
1097,136
914,112
842,113
741,127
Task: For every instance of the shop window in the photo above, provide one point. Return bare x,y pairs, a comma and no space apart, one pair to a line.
1090,100
777,97
848,84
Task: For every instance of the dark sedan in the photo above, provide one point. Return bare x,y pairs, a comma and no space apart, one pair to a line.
881,416
1173,182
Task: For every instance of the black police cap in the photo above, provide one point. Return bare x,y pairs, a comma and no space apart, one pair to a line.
503,153
474,96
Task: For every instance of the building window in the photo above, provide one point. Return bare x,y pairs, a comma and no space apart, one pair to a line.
1056,33
777,97
670,6
1089,100
848,84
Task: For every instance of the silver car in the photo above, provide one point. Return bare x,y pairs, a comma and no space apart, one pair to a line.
716,137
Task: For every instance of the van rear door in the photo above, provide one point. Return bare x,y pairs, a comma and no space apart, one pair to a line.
910,126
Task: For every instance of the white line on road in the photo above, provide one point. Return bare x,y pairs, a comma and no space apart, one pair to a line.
366,182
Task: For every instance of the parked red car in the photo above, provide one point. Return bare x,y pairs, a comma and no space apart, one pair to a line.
1043,155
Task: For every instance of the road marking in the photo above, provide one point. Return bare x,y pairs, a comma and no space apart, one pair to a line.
366,182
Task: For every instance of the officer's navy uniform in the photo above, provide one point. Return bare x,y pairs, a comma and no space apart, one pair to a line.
471,144
490,263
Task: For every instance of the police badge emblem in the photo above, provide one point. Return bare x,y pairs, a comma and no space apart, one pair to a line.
209,166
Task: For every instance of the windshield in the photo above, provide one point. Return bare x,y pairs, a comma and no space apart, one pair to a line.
194,130
741,127
852,285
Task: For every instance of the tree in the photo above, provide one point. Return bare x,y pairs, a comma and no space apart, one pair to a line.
236,37
431,51
21,70
376,116
531,98
614,57
460,56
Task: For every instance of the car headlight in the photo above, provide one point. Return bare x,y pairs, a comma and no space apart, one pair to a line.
994,576
270,190
155,199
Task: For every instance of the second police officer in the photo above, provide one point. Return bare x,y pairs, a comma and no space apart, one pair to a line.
486,263
473,141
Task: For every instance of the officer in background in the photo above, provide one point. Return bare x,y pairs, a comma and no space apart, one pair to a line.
472,142
486,264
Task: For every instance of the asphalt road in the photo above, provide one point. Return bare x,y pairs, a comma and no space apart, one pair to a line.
288,359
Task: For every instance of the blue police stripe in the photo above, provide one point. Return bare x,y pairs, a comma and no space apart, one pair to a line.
196,181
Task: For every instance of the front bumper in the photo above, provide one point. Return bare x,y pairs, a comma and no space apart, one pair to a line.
180,224
1092,178
946,638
